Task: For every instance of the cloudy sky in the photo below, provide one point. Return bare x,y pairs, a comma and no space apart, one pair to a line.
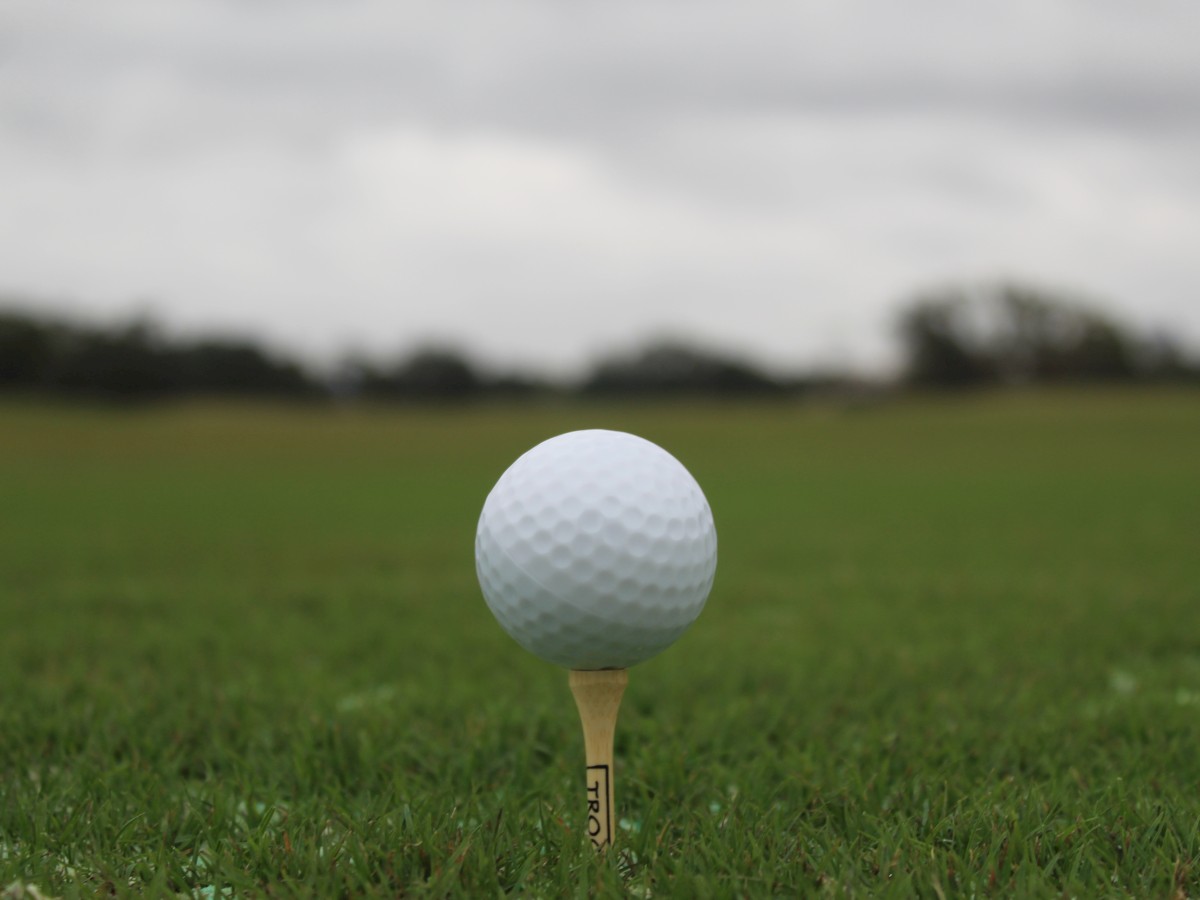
540,182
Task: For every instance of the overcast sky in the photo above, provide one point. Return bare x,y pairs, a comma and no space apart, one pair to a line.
540,182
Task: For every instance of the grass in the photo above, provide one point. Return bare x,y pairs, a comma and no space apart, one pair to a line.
953,650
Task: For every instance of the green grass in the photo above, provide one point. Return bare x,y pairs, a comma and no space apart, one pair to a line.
953,650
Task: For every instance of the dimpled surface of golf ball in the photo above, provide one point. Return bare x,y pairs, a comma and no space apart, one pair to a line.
596,550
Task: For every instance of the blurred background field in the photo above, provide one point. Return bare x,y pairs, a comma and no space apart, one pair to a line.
952,647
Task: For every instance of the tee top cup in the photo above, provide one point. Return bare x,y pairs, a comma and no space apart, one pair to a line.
595,551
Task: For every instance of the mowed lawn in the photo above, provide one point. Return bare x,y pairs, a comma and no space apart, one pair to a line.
953,649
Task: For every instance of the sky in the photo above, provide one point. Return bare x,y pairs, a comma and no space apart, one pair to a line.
541,183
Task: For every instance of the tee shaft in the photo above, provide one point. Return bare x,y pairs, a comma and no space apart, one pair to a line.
598,697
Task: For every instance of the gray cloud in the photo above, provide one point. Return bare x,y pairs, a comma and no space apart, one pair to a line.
517,64
543,180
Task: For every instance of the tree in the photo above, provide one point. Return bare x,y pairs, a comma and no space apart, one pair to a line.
26,350
670,367
1012,334
238,367
429,373
939,350
124,363
135,362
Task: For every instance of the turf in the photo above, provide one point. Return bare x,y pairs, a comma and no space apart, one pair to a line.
953,650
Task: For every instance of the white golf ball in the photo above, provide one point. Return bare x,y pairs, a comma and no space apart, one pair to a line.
596,550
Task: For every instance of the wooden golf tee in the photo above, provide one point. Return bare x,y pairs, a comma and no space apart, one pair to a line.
598,696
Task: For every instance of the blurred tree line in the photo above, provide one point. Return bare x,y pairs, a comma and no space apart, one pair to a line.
135,361
955,337
1011,334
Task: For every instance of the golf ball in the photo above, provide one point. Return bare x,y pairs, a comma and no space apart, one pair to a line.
596,550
